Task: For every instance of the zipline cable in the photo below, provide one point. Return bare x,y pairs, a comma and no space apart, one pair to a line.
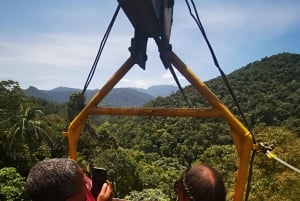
273,156
266,149
101,47
173,73
200,26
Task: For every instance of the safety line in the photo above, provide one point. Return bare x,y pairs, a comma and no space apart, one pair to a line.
202,30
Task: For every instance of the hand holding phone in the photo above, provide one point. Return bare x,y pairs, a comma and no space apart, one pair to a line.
99,177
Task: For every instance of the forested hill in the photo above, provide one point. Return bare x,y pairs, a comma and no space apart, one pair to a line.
268,90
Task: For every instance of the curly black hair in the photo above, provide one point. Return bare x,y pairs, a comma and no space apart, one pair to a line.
53,179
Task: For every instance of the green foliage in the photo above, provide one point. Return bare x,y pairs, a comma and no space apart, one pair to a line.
11,97
29,129
11,185
28,138
25,133
159,173
47,107
271,179
268,90
183,138
121,169
147,195
75,105
224,159
134,170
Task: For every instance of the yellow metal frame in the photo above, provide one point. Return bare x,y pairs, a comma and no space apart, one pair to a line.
241,136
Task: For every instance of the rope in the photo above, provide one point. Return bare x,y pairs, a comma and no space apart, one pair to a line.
179,85
101,47
201,28
163,49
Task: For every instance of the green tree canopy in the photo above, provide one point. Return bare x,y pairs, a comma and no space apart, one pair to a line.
12,185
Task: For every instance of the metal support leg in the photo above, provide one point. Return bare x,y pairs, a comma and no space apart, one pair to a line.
77,124
241,136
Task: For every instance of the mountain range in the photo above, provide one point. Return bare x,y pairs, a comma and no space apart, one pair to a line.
126,97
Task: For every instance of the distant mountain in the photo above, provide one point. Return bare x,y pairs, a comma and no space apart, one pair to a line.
127,97
159,90
59,95
33,91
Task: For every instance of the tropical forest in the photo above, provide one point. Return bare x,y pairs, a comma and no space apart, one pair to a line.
145,155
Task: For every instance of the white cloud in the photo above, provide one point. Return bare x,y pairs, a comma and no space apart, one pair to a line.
64,56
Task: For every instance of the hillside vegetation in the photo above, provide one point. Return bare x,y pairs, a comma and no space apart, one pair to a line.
149,153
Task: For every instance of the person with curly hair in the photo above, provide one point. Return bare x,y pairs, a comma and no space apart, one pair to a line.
200,183
62,179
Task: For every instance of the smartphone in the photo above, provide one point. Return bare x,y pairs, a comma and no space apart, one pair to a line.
99,177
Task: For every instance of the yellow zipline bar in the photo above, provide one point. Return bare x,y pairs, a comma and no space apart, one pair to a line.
241,136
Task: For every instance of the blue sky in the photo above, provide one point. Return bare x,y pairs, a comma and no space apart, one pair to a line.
48,44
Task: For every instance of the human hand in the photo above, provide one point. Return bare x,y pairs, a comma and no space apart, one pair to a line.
106,192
